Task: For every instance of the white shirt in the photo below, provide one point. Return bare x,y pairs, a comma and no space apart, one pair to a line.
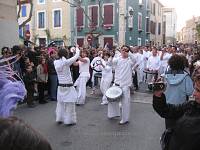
166,57
84,67
62,67
107,70
153,63
123,70
94,63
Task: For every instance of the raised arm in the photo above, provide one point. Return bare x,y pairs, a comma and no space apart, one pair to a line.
168,111
71,60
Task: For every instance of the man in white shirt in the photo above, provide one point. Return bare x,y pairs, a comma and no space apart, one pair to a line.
123,79
164,57
153,65
67,95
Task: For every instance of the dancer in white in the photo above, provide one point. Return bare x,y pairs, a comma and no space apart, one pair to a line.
123,79
107,77
164,57
67,95
96,67
80,84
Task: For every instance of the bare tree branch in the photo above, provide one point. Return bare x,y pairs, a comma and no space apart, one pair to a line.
30,15
78,5
20,7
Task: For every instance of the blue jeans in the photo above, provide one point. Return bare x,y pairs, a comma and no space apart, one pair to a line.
53,86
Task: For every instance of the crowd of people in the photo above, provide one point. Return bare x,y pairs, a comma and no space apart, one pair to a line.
62,74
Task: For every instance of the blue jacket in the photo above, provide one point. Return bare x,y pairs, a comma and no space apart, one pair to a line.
179,86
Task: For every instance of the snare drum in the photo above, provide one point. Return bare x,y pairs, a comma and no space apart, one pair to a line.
114,94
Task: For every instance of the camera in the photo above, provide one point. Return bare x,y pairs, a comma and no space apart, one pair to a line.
156,86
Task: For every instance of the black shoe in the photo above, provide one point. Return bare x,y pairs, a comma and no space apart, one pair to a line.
31,105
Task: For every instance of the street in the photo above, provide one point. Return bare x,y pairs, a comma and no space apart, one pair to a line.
94,131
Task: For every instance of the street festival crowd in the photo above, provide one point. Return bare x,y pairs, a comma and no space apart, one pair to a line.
64,74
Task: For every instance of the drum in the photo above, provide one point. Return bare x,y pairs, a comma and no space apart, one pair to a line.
114,94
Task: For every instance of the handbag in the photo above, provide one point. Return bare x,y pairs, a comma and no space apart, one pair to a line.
165,139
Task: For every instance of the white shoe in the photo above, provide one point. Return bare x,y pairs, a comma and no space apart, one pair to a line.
104,103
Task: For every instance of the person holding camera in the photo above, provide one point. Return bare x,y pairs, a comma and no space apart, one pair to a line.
179,84
185,133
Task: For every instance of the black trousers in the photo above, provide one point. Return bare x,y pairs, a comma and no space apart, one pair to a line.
41,89
135,80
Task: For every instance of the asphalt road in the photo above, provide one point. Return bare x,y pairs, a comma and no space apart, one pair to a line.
94,131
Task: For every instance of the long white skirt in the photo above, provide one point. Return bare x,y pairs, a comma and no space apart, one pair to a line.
81,89
66,113
104,86
114,108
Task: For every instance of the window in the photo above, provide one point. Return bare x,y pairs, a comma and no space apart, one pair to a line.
153,27
147,25
108,15
147,4
23,30
20,32
79,17
139,21
57,18
154,9
159,28
41,1
108,40
80,41
23,11
93,14
41,20
139,42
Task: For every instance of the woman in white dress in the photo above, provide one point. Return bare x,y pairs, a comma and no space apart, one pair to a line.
67,95
107,77
80,84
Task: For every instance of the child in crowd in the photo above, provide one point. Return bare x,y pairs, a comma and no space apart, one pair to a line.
29,80
42,77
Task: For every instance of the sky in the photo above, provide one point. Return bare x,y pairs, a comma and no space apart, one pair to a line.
185,10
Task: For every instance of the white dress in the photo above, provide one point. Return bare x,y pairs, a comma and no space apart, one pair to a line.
82,80
107,77
66,96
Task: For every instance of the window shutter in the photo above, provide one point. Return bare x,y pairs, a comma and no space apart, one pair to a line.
108,14
108,40
80,41
79,17
94,15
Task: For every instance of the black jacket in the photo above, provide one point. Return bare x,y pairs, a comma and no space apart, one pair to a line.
186,135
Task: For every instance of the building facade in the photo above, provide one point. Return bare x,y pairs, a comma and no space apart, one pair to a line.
188,34
51,22
156,23
116,22
8,23
171,24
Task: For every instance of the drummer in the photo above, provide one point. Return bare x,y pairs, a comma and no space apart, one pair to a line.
153,65
123,78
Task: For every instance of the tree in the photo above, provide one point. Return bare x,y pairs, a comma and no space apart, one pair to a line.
92,31
20,2
198,30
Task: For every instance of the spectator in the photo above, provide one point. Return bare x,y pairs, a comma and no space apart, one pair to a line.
42,77
17,135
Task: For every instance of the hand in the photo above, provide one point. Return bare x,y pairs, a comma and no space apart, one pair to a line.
158,93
